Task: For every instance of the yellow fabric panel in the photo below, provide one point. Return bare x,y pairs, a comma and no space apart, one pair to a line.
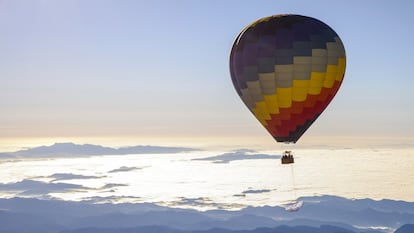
261,112
272,103
317,79
284,96
314,90
331,74
328,83
316,82
300,90
300,83
341,69
331,69
299,94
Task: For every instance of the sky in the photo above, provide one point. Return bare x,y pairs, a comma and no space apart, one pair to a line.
156,72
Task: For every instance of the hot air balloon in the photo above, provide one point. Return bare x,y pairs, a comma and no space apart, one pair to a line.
287,69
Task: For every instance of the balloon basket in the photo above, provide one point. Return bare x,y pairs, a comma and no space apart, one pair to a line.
287,157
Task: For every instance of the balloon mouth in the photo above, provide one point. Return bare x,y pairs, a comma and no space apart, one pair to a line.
285,140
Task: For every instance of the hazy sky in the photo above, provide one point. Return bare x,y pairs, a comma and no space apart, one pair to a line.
159,69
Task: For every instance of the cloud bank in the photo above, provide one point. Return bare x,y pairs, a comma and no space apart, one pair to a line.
237,155
40,189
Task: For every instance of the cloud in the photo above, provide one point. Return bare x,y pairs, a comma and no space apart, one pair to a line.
39,188
33,188
237,155
112,185
254,191
194,201
71,176
125,169
112,199
202,202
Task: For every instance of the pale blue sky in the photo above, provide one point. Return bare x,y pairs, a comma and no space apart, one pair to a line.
159,69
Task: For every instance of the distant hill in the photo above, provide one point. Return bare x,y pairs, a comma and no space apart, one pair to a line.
163,229
27,215
71,149
407,228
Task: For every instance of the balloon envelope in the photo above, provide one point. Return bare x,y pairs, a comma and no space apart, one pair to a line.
287,69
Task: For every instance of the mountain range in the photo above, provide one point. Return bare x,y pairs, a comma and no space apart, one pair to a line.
325,214
70,149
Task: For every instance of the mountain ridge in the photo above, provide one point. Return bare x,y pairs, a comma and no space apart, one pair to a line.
130,217
63,149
